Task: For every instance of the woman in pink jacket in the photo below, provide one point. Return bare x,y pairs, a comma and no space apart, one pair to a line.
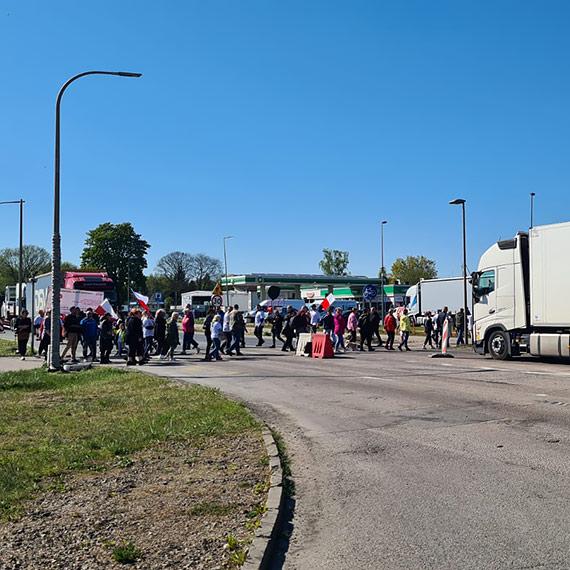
352,324
339,328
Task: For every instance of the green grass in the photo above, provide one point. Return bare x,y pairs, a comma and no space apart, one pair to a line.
127,553
51,424
9,347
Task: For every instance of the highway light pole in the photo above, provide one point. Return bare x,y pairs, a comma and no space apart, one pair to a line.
457,202
20,284
382,271
54,362
532,195
226,270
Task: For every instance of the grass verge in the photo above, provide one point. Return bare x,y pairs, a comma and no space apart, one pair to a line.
288,482
52,424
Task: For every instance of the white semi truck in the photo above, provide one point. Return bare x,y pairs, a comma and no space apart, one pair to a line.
433,294
517,305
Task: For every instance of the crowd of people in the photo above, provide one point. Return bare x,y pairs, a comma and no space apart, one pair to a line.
141,335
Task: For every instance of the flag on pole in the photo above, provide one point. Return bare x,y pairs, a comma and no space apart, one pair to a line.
328,301
142,299
105,307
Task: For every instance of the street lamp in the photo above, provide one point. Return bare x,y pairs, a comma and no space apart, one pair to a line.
226,269
56,238
20,284
457,202
532,195
382,270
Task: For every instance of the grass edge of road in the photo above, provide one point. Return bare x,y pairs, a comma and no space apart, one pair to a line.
57,424
288,481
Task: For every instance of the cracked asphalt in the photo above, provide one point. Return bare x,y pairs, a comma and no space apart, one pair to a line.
402,461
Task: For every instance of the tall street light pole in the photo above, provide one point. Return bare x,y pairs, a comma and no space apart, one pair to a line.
532,195
56,239
20,284
457,202
382,271
226,270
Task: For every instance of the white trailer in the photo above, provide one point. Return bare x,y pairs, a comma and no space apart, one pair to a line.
433,294
518,307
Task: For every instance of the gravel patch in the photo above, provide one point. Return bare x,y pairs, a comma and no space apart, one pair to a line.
176,503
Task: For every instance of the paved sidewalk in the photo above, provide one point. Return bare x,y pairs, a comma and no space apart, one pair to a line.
11,364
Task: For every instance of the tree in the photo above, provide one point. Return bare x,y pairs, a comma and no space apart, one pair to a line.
35,261
334,262
120,251
68,266
205,271
176,268
413,268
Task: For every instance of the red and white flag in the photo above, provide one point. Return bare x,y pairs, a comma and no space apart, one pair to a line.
327,302
105,307
142,299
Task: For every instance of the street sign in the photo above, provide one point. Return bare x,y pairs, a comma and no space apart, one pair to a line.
217,289
369,292
158,296
273,292
217,300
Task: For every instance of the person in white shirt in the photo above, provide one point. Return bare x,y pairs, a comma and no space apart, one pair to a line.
227,331
148,334
216,330
38,323
259,324
315,316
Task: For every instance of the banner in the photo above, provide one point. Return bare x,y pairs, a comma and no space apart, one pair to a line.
75,298
142,299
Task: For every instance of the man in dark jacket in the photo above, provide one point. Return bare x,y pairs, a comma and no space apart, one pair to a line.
375,325
72,326
460,326
106,338
365,326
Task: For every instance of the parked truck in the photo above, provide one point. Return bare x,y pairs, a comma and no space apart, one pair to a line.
433,294
516,293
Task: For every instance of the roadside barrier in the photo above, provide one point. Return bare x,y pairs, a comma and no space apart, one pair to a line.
444,337
322,346
304,344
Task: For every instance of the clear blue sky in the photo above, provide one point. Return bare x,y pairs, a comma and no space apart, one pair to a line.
293,126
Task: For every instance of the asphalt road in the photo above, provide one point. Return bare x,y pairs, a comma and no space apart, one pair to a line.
403,462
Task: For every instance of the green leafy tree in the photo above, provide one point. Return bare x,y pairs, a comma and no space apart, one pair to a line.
334,262
176,268
68,266
413,268
206,271
120,251
35,261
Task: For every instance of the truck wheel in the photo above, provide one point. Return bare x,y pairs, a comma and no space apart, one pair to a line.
498,345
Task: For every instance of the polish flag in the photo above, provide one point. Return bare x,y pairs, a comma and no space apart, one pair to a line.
105,307
142,299
327,302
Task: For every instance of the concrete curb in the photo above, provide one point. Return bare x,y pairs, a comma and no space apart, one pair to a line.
259,553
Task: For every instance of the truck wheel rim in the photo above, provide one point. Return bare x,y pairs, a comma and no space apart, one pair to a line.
498,345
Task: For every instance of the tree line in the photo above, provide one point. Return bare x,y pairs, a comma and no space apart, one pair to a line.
121,252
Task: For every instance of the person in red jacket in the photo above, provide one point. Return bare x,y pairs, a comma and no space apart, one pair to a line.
390,328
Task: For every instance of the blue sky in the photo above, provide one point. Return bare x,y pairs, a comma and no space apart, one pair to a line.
294,126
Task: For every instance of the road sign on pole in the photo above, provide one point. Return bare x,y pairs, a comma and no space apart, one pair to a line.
217,300
369,292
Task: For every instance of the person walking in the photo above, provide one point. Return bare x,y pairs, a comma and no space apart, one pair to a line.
237,326
375,322
134,337
148,334
208,332
45,335
406,329
428,329
160,332
390,325
276,326
315,316
216,329
72,326
289,329
365,330
90,332
23,329
259,324
227,336
120,338
339,328
106,338
352,324
188,330
328,325
302,322
172,336
460,326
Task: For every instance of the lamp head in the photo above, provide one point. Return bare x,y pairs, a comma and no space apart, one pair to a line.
128,74
384,222
533,194
457,202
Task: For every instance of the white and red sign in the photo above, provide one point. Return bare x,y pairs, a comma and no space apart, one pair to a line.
75,298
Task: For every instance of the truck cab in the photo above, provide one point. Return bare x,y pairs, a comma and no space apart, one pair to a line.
501,298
